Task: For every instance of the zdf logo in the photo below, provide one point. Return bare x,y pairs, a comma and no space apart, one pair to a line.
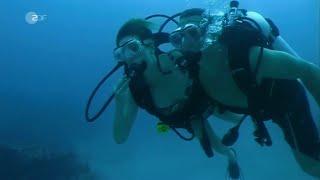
33,17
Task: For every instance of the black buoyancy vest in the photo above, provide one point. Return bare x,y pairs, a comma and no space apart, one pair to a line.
239,38
196,104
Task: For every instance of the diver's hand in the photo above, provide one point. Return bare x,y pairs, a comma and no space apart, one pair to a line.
125,112
262,136
121,88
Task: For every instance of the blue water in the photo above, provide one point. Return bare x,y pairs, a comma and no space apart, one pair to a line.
48,69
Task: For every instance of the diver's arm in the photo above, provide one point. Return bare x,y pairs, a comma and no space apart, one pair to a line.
125,113
281,65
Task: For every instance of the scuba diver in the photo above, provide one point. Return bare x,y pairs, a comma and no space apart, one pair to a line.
154,82
245,67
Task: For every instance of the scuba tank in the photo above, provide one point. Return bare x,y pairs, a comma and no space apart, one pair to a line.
270,30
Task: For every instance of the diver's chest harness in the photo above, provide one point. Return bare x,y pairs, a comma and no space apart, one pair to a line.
197,105
196,102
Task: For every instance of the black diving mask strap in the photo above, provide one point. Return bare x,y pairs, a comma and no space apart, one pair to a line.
94,92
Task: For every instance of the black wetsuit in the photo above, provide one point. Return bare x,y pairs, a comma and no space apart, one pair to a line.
288,107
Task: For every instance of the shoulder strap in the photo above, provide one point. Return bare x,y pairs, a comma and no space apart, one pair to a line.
140,89
256,69
274,28
239,38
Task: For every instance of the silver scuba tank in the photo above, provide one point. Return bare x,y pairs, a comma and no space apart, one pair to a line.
278,42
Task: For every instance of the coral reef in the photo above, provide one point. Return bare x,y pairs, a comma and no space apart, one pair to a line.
40,164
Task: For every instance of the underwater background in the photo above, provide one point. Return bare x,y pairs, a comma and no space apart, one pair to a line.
48,70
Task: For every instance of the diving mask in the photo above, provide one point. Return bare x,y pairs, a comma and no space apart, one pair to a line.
128,51
186,36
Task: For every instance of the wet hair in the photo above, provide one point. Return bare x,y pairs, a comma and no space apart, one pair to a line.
135,27
192,12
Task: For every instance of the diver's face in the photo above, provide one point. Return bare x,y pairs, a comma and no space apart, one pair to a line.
189,36
132,50
190,20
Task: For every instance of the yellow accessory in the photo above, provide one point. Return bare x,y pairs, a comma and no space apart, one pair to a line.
162,128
